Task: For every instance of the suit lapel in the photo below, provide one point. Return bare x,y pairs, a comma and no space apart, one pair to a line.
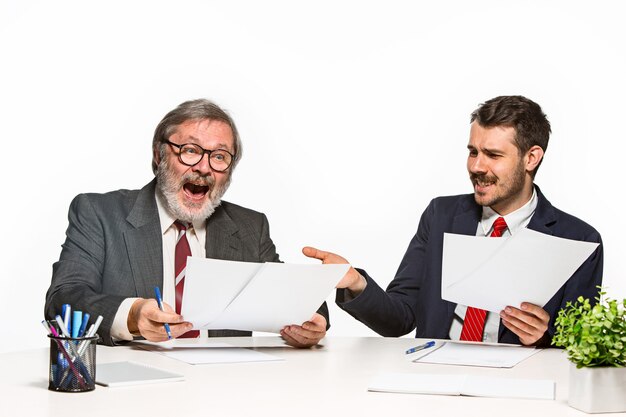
222,241
144,243
466,222
544,217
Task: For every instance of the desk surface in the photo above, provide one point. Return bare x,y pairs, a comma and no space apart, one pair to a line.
327,380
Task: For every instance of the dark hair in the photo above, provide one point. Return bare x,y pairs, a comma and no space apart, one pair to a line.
200,109
525,116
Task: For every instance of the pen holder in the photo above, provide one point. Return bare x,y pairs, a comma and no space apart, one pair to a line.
72,364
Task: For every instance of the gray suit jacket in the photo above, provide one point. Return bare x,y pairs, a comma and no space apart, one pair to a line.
113,250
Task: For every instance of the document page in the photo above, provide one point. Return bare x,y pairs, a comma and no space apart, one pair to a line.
253,296
470,385
483,386
211,284
207,352
418,384
478,354
493,273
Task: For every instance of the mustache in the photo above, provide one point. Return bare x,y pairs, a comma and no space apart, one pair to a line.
482,178
197,179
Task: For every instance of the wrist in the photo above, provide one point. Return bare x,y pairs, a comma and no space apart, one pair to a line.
358,283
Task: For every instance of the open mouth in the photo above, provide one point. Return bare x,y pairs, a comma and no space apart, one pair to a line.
482,182
195,191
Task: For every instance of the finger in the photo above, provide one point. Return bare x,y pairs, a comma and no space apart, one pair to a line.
317,323
153,313
299,332
295,339
152,331
537,311
312,252
527,334
180,328
290,340
525,338
524,320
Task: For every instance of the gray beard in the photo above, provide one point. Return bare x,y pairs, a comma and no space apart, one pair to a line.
169,186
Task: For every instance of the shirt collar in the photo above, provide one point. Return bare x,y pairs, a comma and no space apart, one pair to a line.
515,220
167,220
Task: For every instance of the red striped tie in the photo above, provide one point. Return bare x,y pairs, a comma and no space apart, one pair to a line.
180,262
474,323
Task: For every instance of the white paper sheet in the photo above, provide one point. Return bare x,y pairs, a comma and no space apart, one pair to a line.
211,284
471,385
491,273
203,352
252,296
478,354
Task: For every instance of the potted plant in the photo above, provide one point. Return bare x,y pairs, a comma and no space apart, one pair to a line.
594,337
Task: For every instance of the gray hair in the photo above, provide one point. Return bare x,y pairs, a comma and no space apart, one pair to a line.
200,109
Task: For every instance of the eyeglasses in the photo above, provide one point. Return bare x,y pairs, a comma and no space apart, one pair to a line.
191,154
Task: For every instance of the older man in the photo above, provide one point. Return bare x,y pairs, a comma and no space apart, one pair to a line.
507,141
122,244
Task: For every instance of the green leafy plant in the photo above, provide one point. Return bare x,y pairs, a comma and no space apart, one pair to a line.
593,335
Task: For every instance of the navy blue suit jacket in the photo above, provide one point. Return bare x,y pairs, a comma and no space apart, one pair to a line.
413,299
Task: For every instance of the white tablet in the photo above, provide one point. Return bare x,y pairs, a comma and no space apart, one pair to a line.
119,374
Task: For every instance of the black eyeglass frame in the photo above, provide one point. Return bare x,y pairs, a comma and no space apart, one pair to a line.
204,151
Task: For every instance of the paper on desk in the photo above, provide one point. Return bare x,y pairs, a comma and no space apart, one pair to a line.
252,296
493,273
203,352
478,354
470,385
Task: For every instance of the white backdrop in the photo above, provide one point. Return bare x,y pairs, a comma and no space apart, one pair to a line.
353,115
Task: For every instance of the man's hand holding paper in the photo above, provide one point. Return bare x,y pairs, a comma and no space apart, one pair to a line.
529,322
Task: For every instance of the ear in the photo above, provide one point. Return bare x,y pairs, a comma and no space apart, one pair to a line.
533,158
156,155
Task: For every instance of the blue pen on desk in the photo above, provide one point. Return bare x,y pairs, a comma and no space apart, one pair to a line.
421,347
157,293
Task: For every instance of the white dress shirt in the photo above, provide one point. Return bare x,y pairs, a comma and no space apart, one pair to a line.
196,236
515,221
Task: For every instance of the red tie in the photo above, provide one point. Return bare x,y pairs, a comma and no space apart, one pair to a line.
474,323
180,261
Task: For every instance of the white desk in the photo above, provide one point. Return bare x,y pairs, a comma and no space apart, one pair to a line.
325,381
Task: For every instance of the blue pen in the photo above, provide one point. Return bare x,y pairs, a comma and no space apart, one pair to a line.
77,321
83,325
421,347
157,293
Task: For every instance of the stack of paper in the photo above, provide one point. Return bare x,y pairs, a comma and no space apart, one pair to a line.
470,385
205,352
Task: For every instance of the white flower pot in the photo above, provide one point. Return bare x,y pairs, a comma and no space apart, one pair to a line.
597,390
